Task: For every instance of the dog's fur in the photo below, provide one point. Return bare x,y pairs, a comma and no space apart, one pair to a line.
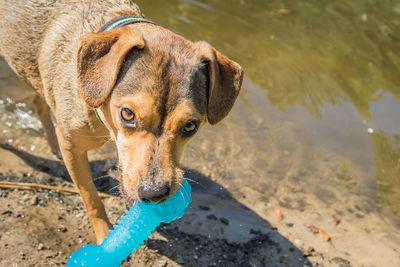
166,80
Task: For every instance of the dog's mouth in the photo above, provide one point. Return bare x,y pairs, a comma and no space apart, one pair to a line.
128,199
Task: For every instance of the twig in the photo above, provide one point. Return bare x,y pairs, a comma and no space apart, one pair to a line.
30,186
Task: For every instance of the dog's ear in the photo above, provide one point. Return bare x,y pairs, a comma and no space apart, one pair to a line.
225,81
100,56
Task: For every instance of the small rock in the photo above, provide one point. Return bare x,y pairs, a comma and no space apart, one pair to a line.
342,262
298,243
364,17
212,217
34,200
26,197
19,214
195,257
289,224
62,228
224,220
180,260
162,263
204,207
40,246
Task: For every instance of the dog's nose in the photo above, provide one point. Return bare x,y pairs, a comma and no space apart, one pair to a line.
154,193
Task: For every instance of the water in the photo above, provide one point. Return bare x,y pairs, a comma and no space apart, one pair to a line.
318,121
320,105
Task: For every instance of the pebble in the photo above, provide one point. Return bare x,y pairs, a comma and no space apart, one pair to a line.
298,243
40,246
19,214
162,263
62,228
202,207
26,198
342,262
34,200
224,220
180,260
212,217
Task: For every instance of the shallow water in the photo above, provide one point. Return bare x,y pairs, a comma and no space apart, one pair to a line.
319,115
319,110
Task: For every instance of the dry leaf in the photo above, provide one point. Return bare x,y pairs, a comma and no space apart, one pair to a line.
278,214
324,235
336,220
351,181
307,253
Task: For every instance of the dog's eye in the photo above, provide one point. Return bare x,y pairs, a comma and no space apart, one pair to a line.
127,115
190,128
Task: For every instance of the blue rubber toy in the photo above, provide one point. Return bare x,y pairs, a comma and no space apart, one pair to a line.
132,230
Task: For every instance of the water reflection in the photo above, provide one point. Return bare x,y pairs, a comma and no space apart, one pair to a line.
322,51
337,60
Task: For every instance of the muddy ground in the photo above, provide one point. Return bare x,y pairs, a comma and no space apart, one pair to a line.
43,227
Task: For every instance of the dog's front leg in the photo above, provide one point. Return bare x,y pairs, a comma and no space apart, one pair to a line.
76,161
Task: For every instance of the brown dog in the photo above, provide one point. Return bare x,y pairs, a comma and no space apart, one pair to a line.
152,89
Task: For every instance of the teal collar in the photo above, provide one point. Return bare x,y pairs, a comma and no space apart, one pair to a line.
97,116
122,21
116,23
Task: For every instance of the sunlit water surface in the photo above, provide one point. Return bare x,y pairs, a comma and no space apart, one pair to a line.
319,112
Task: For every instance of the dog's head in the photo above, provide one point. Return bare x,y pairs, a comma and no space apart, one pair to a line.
154,90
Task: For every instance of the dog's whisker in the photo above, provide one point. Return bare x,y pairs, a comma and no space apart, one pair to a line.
194,181
93,136
101,177
186,191
113,188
